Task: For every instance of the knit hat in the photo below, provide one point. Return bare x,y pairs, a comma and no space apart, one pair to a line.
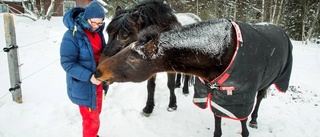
94,10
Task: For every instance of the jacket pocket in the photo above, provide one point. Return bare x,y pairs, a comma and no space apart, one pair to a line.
81,90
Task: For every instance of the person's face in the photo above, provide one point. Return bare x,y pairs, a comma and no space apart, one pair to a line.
95,23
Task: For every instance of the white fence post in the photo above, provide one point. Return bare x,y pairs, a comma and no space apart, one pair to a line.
12,53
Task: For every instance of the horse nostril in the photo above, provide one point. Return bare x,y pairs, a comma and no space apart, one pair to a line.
98,73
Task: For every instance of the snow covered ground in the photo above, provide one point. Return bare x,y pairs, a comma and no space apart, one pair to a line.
47,111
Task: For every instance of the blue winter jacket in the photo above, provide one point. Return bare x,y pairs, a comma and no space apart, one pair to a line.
77,59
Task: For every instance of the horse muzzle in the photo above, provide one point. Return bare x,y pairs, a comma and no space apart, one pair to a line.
98,75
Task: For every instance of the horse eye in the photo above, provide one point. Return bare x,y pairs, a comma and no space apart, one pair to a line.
125,36
131,58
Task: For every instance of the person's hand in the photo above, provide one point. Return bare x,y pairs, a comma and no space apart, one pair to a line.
94,80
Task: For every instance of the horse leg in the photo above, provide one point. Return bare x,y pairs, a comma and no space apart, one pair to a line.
147,110
261,94
185,89
171,85
245,131
178,80
217,126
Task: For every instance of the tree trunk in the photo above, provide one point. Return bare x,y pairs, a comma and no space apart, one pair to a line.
235,10
313,25
197,7
304,21
262,11
50,10
30,14
35,9
42,9
241,11
274,11
279,13
266,11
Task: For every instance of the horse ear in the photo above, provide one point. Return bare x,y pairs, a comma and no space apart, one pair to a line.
118,10
136,15
151,47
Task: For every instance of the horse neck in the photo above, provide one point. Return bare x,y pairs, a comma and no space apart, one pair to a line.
203,50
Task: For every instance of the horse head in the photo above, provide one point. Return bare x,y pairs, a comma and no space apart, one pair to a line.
122,30
138,57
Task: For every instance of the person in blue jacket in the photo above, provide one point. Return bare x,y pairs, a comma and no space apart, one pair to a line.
80,51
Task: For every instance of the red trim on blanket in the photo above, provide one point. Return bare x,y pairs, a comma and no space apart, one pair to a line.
224,75
231,117
278,88
223,78
227,88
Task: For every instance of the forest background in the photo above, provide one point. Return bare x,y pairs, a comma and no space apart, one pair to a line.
300,18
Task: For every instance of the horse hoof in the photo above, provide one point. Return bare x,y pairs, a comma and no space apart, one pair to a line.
177,84
185,91
145,114
253,125
170,109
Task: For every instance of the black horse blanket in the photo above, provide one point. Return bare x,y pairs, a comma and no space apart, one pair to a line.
263,57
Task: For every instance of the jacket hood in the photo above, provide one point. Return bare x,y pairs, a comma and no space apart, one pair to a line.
70,17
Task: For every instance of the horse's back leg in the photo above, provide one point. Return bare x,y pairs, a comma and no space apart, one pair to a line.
147,110
261,94
171,85
185,89
217,126
178,80
218,131
245,131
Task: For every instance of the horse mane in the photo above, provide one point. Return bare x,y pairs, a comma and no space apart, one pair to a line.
121,16
149,33
157,13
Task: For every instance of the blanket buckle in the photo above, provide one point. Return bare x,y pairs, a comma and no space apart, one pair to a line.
214,86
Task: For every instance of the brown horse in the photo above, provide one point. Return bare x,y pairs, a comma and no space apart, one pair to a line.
235,63
124,28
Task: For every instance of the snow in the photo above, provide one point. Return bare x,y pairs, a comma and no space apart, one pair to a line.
187,18
47,111
104,4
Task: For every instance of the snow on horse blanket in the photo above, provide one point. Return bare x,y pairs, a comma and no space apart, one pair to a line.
263,57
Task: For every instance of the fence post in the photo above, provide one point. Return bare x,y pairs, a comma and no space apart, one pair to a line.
12,54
